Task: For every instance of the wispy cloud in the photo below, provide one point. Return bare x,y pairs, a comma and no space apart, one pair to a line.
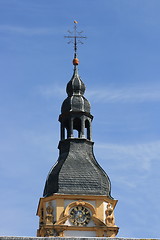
131,165
131,156
132,94
108,94
26,30
51,91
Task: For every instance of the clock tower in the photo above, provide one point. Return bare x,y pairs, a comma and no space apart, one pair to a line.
77,198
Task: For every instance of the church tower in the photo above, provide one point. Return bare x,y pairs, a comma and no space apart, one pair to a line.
77,198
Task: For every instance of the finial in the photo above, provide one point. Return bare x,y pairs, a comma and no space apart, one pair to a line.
75,39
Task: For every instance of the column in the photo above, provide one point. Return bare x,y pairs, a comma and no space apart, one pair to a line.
62,132
82,127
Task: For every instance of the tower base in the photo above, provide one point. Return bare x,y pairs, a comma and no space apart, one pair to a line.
56,214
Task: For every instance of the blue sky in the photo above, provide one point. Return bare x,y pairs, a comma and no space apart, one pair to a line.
120,65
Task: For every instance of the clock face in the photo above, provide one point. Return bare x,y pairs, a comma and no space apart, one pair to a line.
80,216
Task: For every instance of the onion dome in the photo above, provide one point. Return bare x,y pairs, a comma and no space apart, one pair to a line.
75,89
75,86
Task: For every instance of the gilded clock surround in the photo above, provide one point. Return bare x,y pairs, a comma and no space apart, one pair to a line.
79,216
57,226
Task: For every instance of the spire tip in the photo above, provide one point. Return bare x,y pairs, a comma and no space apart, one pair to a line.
75,38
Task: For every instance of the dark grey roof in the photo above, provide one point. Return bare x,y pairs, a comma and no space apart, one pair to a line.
75,104
75,86
75,100
77,171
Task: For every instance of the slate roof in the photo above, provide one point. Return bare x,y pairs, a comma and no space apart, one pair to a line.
77,171
75,100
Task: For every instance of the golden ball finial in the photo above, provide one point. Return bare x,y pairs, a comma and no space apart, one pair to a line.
75,61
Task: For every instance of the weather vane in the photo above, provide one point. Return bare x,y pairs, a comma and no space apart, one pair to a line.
75,38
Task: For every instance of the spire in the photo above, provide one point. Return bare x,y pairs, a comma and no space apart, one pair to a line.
75,102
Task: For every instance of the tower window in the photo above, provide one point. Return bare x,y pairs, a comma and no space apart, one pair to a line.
66,129
87,129
77,127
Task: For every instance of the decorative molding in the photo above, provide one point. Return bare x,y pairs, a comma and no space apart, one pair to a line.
80,202
104,226
110,221
49,214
